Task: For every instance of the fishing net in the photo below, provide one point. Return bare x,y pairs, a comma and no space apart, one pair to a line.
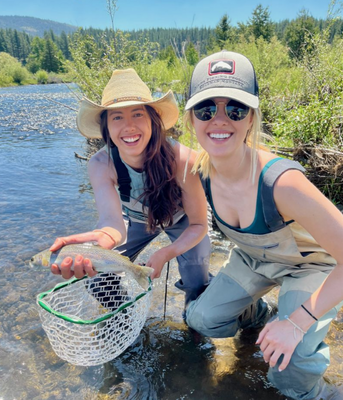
90,321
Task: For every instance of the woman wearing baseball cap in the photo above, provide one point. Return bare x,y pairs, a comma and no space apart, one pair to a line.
286,233
139,184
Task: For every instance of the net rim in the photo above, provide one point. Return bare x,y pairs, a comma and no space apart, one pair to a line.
80,321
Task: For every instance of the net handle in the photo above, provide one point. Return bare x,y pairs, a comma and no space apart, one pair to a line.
76,320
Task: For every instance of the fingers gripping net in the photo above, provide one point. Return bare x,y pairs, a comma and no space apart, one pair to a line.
91,321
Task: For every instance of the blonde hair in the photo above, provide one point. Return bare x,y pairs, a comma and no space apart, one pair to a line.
254,137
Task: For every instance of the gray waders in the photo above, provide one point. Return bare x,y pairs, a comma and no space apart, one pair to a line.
256,265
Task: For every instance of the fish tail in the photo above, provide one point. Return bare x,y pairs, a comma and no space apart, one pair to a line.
141,275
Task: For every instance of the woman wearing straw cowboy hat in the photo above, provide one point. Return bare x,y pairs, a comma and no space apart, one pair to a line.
286,233
139,186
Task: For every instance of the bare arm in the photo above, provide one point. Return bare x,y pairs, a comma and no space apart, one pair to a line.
195,206
298,199
111,226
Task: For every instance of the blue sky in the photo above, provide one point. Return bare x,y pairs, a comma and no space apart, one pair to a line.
140,14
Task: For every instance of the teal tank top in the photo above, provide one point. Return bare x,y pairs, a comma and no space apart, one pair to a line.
258,226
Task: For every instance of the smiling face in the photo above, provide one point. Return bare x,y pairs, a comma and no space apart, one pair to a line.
130,131
221,136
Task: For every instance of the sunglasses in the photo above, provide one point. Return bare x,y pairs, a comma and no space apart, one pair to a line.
234,110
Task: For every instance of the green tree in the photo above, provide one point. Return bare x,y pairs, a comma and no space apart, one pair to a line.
50,58
191,54
298,35
169,55
64,45
34,60
16,45
223,31
4,42
11,71
260,24
50,35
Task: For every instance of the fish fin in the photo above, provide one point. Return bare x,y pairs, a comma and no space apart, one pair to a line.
142,276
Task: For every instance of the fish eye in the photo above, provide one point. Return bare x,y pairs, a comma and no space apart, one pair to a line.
32,259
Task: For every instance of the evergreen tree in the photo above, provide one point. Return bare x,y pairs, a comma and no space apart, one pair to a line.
34,60
25,47
4,42
223,31
64,45
50,60
50,35
16,46
169,55
260,24
297,35
192,55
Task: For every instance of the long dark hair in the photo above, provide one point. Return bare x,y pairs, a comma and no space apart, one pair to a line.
162,194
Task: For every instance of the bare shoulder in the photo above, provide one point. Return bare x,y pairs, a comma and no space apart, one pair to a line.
295,195
298,199
265,156
184,154
100,164
101,156
295,180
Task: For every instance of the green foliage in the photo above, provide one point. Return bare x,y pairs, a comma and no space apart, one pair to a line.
93,65
298,35
312,112
34,60
20,75
191,54
260,25
313,124
50,58
42,77
11,71
168,54
223,32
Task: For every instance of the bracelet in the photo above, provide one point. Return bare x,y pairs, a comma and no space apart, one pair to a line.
309,312
106,233
296,327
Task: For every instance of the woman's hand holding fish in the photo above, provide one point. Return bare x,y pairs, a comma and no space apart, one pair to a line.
104,239
82,266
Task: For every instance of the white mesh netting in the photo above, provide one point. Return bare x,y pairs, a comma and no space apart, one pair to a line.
81,333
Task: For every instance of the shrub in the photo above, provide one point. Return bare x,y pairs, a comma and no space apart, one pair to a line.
20,75
42,76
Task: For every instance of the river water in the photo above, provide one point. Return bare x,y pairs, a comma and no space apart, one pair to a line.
45,193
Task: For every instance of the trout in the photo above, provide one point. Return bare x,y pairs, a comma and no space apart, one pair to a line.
103,260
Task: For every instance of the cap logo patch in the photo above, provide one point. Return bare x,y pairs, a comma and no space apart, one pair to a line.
221,67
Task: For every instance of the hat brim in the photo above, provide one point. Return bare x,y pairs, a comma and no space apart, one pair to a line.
235,94
88,116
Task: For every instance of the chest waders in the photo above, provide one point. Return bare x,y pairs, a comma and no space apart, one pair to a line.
288,257
193,265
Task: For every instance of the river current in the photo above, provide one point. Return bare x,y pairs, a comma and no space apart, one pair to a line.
45,193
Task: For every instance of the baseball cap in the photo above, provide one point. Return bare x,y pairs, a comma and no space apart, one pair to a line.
224,74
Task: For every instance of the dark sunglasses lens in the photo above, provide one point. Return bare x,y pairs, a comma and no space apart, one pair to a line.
205,110
236,111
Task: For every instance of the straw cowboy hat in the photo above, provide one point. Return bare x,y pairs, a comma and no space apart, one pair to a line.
124,89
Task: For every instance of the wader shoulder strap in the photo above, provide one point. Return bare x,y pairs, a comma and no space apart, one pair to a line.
206,186
124,180
271,215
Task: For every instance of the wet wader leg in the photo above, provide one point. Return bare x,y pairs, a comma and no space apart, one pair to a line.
229,304
302,377
193,265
